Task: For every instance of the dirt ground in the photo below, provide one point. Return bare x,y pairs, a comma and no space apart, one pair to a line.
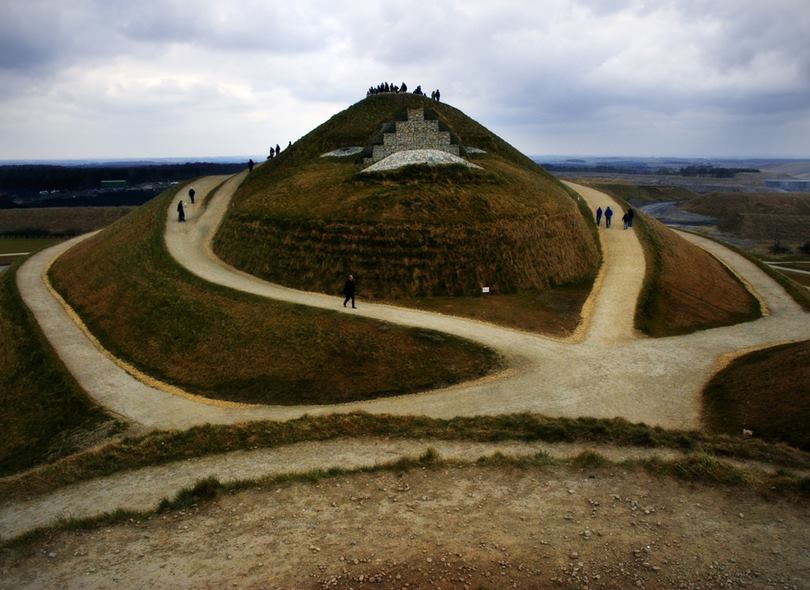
444,527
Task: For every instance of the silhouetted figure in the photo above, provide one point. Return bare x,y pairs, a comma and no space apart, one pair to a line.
181,214
251,164
625,219
289,144
418,91
348,291
598,216
403,87
191,194
608,216
438,96
630,215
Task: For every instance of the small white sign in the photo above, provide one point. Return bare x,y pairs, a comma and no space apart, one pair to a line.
484,289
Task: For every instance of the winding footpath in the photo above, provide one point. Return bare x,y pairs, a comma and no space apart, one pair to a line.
606,369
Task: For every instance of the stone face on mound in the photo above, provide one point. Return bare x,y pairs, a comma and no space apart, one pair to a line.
436,230
413,157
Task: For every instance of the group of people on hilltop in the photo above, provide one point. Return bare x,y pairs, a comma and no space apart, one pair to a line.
627,218
386,88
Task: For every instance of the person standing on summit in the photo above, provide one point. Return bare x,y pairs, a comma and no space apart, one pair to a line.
348,291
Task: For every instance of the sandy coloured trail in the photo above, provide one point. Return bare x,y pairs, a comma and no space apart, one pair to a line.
605,370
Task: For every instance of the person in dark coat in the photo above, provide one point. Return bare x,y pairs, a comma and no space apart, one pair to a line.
438,95
191,194
630,215
348,291
251,164
181,214
598,216
625,220
608,216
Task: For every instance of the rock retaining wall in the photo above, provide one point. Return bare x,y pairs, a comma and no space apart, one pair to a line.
414,134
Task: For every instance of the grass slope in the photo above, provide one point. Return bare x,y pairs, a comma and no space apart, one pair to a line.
45,414
685,288
306,221
767,391
228,345
758,216
638,194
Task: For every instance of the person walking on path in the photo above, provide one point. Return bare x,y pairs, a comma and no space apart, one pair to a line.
608,216
181,214
348,291
191,193
630,216
251,164
598,216
625,220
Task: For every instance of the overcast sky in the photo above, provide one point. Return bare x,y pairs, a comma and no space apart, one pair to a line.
115,78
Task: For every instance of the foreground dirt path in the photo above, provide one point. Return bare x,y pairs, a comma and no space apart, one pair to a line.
452,527
143,489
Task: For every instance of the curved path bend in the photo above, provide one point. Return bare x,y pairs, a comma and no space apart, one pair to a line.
605,370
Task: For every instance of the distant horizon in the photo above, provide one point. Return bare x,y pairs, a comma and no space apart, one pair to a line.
260,158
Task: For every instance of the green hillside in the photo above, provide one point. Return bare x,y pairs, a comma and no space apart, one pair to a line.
306,221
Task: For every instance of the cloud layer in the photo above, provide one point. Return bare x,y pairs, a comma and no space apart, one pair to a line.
93,78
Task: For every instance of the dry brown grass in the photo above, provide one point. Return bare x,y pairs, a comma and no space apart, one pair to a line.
767,391
685,288
758,216
228,345
59,220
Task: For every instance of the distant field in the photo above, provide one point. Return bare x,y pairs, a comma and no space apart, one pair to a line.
58,220
800,278
763,217
13,249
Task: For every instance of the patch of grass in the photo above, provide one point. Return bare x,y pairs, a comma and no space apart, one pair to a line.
58,221
766,391
685,288
45,414
165,447
696,468
555,311
224,344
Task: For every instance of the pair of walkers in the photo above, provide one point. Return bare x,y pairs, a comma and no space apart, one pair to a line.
181,212
627,218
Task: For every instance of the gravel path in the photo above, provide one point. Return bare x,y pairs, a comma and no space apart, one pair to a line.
605,370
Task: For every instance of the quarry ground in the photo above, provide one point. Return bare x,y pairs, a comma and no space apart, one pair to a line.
449,527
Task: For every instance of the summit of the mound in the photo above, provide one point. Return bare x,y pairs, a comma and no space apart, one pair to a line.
309,217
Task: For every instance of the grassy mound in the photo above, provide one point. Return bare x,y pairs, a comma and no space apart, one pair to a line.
45,414
685,288
228,345
306,221
767,391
